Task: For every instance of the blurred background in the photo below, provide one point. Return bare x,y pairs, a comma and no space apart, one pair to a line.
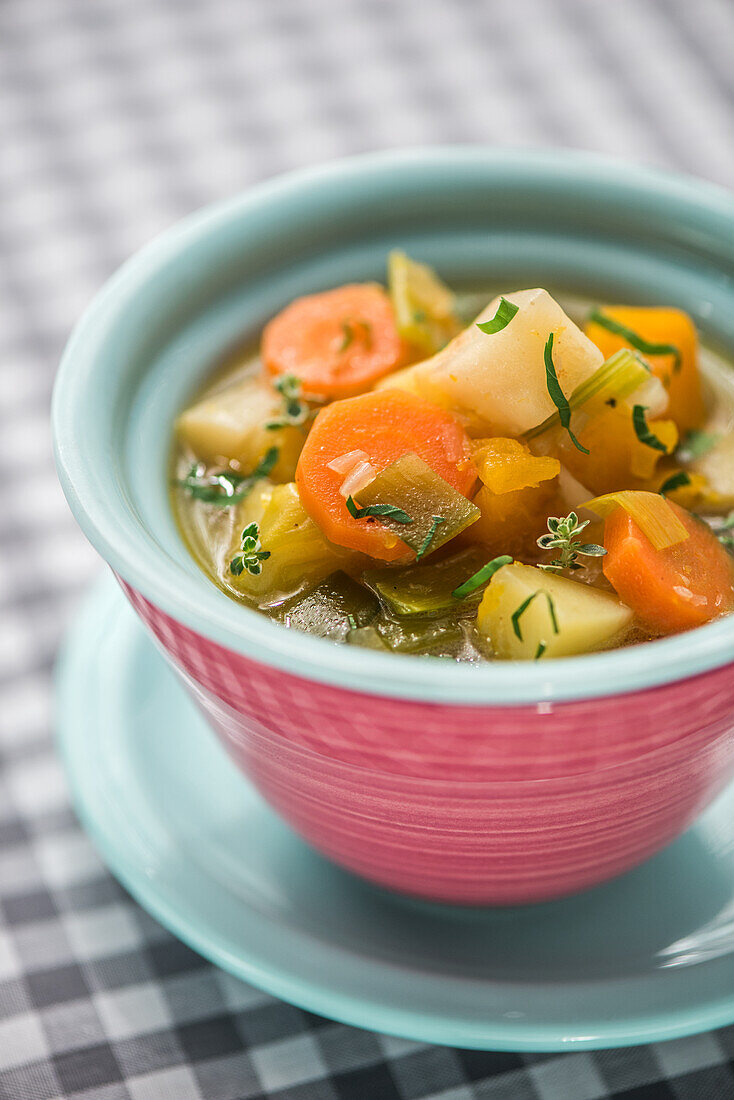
116,118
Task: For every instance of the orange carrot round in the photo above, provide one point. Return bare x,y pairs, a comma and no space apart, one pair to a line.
682,586
384,425
337,343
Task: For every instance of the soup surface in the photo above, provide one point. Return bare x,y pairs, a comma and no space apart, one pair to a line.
465,475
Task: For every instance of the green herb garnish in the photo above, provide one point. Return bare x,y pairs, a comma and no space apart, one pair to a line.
481,577
643,433
296,411
634,339
557,395
540,650
675,481
387,510
225,487
696,444
435,522
251,555
562,535
348,328
517,615
505,312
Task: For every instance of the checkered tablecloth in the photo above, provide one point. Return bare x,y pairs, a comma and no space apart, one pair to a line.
117,117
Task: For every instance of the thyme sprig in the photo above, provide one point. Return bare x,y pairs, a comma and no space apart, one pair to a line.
563,535
251,554
225,487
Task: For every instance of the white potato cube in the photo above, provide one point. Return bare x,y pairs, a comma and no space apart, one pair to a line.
586,619
501,378
230,426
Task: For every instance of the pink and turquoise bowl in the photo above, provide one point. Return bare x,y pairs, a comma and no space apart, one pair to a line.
500,784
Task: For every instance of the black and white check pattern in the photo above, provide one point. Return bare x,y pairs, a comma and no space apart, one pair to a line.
117,117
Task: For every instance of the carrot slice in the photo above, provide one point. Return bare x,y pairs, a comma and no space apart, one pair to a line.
673,589
383,426
660,326
337,343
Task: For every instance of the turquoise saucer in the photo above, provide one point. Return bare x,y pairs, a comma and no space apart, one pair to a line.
647,957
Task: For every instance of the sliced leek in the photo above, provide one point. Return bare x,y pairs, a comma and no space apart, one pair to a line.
425,309
411,486
651,512
439,637
336,606
426,590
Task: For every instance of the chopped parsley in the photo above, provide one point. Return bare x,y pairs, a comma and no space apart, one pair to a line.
436,521
505,312
389,511
642,431
557,395
634,339
520,611
349,328
481,577
675,481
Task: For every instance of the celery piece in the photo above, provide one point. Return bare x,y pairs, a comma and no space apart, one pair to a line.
624,373
439,637
425,590
437,511
337,606
425,313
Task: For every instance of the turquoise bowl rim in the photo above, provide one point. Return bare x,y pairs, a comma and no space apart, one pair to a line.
700,216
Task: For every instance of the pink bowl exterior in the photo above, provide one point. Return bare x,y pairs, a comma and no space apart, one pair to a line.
465,804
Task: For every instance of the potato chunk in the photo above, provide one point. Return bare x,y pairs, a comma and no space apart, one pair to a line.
230,426
300,555
500,379
586,619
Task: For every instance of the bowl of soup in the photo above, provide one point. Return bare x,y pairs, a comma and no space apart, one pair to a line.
419,469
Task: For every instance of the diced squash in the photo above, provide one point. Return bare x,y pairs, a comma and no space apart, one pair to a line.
500,379
561,619
617,458
517,494
424,307
510,522
661,326
230,426
300,555
507,464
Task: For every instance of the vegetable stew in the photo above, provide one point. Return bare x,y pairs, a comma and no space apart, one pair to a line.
543,479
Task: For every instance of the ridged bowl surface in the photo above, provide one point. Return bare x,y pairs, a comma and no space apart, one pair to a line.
504,783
